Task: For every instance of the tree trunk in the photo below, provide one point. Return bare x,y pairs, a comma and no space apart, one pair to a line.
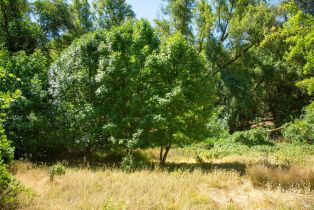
88,155
161,153
163,156
6,29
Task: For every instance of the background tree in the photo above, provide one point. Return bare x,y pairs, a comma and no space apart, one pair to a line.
229,50
54,17
178,16
306,6
298,32
204,21
83,16
112,13
30,119
252,79
17,32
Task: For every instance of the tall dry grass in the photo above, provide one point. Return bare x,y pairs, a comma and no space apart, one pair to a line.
156,189
286,178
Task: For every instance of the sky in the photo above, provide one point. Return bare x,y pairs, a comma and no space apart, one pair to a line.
149,9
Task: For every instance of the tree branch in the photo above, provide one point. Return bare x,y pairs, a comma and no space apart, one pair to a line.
238,55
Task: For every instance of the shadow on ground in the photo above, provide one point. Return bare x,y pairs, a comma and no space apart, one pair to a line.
206,167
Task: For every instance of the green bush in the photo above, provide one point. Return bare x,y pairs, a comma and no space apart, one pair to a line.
9,187
135,161
251,137
128,163
301,130
6,151
263,148
293,153
225,148
57,169
239,143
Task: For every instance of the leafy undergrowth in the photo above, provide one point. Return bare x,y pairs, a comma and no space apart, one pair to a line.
282,153
112,188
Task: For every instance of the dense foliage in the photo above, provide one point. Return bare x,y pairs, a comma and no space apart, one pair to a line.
119,90
98,84
95,80
8,186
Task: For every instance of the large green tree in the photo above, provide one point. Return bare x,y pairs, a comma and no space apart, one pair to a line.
115,92
204,22
98,85
182,95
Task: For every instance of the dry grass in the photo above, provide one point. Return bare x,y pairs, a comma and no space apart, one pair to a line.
157,189
286,178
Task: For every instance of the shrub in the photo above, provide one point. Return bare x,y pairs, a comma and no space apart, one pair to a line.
110,205
128,163
57,169
198,158
143,156
9,187
293,153
251,137
263,149
6,151
238,143
136,160
301,130
224,148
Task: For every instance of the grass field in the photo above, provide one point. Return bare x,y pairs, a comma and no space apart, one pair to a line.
229,183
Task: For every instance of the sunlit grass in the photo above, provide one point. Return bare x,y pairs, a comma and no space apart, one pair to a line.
83,188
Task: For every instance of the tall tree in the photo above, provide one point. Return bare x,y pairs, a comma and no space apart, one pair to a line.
180,13
54,16
204,21
112,13
83,19
239,28
299,32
